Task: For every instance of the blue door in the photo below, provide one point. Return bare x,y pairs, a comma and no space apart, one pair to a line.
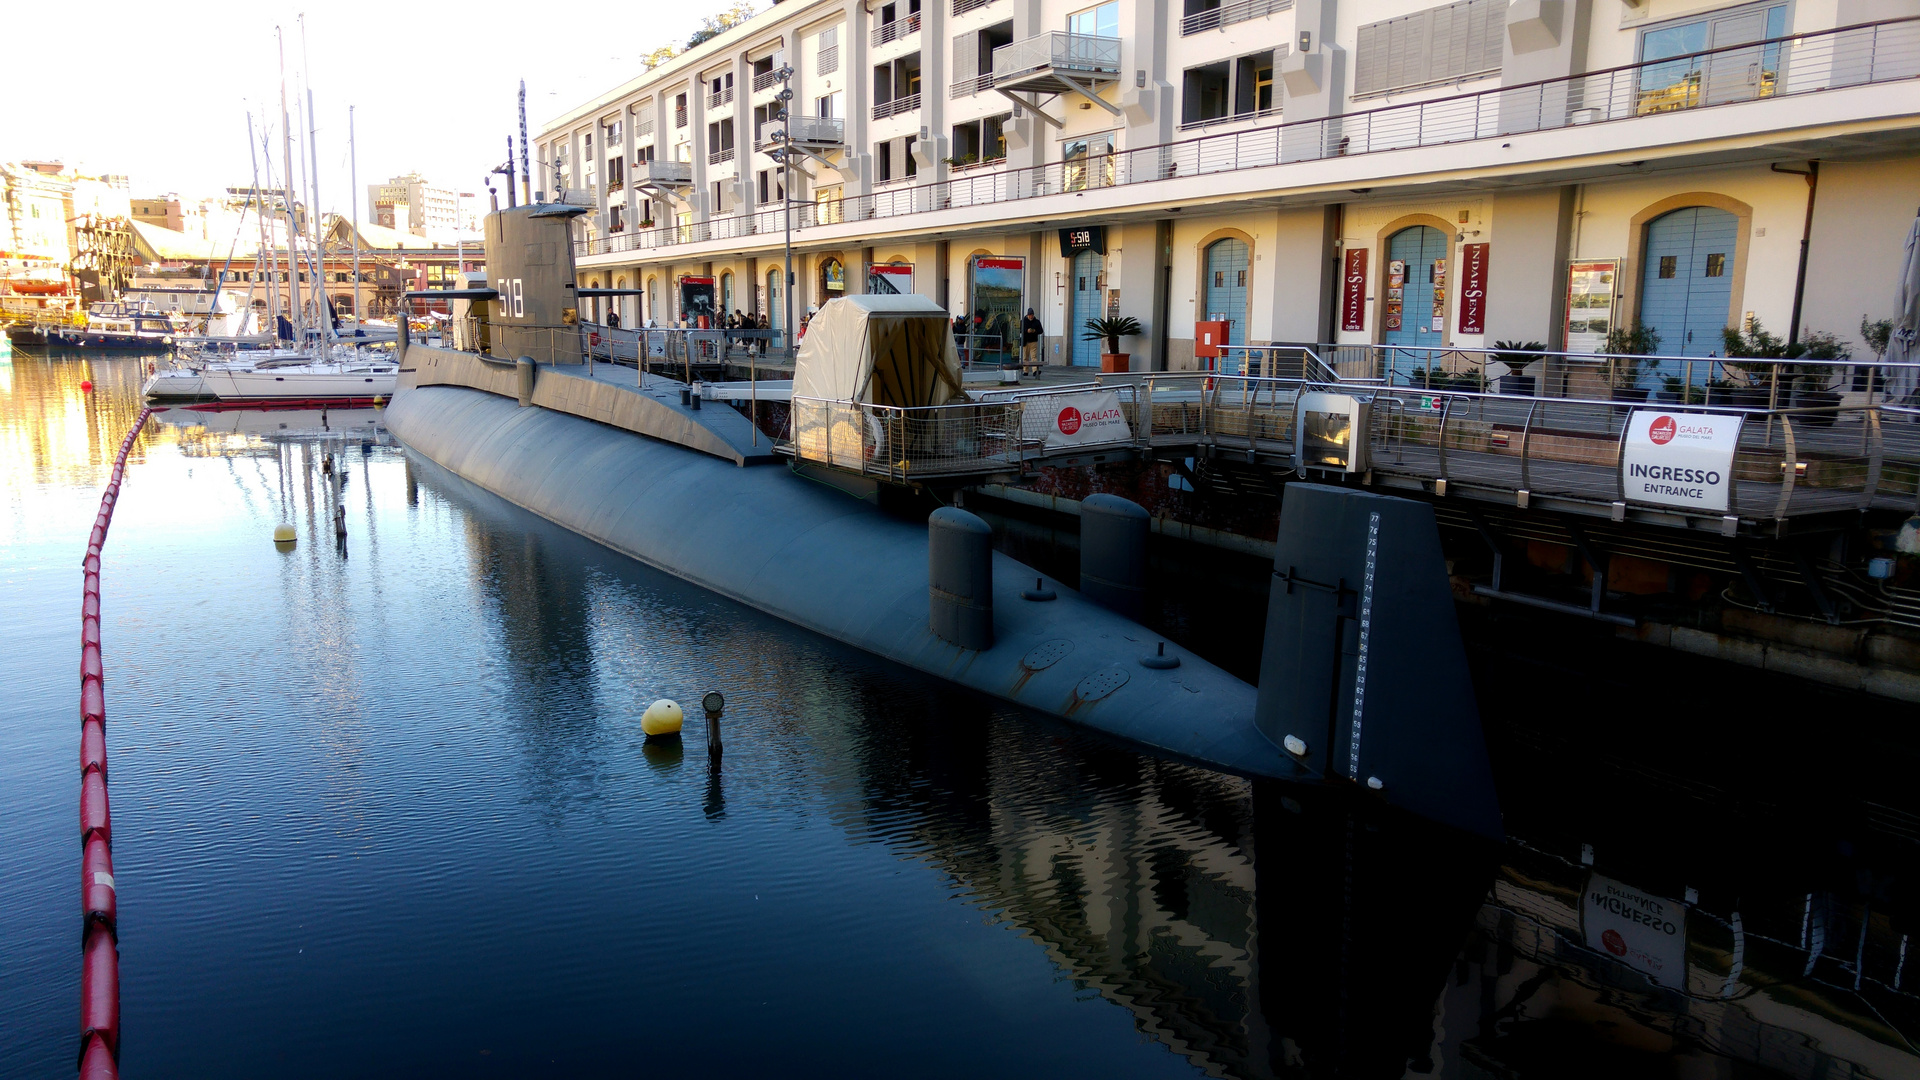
1686,288
1227,289
1412,256
1085,305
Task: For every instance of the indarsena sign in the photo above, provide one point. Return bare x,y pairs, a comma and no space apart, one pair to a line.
1679,459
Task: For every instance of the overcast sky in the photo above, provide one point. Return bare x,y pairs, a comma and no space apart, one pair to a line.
161,92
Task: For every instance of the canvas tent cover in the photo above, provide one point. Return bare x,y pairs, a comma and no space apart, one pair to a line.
883,350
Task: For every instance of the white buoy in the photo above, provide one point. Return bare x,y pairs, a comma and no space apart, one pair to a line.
663,717
1295,745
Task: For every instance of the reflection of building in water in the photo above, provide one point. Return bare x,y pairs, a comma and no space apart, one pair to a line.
1263,931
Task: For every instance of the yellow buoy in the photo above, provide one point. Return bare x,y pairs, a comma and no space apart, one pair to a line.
379,402
283,534
663,717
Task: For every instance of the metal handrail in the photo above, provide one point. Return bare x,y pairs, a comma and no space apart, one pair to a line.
1523,107
1227,14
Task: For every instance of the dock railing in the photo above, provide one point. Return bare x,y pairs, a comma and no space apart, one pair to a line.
903,445
1791,460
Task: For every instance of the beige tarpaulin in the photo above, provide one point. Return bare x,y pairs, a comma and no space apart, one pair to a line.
881,350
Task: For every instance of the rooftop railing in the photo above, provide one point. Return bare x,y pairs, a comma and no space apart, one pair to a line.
1799,64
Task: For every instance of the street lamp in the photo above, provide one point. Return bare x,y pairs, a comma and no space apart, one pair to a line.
783,154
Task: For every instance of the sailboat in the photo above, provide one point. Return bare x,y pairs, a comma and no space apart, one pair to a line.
316,364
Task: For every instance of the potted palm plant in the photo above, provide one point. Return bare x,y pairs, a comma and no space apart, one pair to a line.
1517,355
1628,345
1111,329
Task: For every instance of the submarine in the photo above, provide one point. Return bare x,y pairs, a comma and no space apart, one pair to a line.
1363,678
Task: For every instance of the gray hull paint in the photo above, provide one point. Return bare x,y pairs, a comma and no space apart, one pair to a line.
832,564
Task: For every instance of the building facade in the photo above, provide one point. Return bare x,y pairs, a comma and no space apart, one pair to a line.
411,205
1388,173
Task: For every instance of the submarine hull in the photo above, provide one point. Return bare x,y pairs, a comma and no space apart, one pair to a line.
835,565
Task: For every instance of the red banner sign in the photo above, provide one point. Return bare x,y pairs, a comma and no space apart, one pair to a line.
1473,289
1002,263
1353,291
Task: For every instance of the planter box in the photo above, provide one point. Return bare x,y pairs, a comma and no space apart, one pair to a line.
1113,362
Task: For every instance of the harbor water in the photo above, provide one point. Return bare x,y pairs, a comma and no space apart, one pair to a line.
383,807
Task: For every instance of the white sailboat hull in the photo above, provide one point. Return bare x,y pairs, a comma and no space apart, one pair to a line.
297,383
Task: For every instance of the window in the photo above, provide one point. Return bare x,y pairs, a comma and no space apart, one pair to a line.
680,110
882,162
615,131
1088,162
643,153
826,205
1726,76
973,58
829,59
1103,20
827,106
1206,93
1716,264
616,172
616,218
980,140
1441,44
1253,84
1669,265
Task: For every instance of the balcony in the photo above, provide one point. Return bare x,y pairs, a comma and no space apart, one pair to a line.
1239,11
680,117
961,7
895,30
662,174
1057,63
720,157
816,132
766,80
905,103
724,97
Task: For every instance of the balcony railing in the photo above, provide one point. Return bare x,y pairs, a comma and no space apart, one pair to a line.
766,80
905,103
968,87
895,30
680,117
817,130
1783,67
961,7
720,157
714,101
662,173
643,130
1227,14
1081,54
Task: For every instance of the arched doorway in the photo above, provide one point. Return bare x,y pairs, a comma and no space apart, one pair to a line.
1226,286
833,279
1083,303
726,294
653,299
1415,271
776,307
1686,283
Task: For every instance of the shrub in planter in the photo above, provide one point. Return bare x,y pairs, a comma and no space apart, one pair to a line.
1111,330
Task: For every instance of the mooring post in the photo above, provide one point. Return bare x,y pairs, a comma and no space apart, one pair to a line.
960,578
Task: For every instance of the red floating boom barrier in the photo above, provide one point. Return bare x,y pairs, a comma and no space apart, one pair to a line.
99,948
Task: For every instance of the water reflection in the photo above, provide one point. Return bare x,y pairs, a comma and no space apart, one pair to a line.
1255,929
473,689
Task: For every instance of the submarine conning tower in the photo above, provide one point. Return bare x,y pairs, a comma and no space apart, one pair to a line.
1363,674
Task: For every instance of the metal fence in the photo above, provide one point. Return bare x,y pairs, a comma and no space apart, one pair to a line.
1778,67
904,445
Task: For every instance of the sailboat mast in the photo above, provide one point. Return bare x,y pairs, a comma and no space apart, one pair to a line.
260,220
353,194
322,315
286,157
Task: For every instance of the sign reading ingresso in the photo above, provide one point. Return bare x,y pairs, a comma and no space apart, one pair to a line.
1679,459
1647,933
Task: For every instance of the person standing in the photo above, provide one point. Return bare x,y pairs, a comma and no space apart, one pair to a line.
1030,334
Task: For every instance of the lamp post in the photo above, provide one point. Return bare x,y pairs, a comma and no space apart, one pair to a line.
783,155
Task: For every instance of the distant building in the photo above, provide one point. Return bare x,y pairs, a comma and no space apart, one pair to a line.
409,204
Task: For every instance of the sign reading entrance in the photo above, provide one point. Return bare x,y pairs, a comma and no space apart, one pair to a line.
1679,459
1353,290
1645,932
